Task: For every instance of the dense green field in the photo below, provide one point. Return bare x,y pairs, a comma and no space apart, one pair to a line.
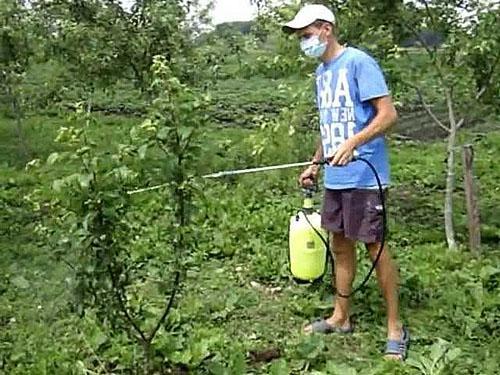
193,277
238,298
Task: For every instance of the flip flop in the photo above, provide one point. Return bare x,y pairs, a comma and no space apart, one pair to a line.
322,326
399,347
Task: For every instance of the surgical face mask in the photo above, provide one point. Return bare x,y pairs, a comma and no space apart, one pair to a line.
313,46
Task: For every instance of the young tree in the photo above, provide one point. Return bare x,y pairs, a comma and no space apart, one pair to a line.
16,51
459,72
95,229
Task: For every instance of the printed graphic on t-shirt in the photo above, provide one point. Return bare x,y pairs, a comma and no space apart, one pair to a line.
337,117
344,88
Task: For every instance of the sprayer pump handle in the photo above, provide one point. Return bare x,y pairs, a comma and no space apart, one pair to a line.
319,162
327,161
310,190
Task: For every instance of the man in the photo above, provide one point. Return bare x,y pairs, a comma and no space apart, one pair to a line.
355,111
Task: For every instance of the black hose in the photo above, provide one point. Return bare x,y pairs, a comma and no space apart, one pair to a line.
382,241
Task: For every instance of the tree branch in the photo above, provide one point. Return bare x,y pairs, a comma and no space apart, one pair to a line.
428,109
401,137
451,112
123,307
167,308
162,146
476,97
68,264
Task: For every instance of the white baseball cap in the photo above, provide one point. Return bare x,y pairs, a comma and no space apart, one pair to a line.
307,15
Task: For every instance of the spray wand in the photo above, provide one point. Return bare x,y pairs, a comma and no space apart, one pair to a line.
303,164
237,172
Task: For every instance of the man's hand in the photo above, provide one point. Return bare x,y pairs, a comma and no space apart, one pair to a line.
344,154
308,177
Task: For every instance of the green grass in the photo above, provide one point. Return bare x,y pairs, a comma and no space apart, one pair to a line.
449,300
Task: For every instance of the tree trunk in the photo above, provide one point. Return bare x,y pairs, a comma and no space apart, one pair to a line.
473,221
450,176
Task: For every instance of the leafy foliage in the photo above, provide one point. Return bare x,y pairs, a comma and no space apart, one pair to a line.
193,276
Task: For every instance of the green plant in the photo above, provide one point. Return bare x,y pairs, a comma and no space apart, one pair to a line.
94,223
440,358
16,51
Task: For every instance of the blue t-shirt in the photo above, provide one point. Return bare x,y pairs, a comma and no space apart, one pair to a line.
344,87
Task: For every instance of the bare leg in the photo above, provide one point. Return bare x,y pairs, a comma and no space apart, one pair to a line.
388,278
345,267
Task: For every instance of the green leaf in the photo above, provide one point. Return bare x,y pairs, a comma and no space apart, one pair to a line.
20,282
279,367
146,124
17,356
84,180
417,364
32,164
163,134
52,158
57,185
217,368
185,132
453,354
199,350
311,347
487,271
238,363
123,173
142,151
98,339
182,357
428,364
83,150
335,368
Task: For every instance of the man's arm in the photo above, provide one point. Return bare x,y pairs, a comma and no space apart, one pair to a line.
318,155
386,116
308,177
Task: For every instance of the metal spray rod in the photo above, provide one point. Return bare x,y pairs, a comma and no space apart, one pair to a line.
236,172
259,169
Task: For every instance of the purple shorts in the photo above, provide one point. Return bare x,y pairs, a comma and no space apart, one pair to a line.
355,212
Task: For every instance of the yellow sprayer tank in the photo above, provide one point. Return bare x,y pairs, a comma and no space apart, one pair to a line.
307,249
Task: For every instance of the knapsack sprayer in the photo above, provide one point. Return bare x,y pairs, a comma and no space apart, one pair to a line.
308,242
